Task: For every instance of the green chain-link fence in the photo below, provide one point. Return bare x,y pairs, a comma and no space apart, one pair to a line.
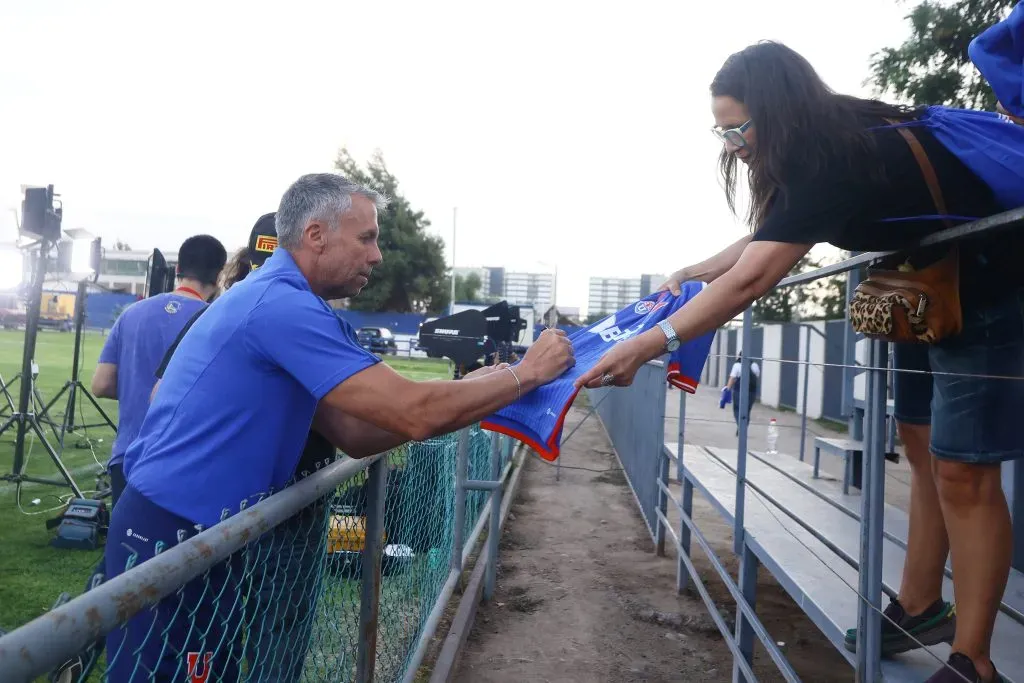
314,597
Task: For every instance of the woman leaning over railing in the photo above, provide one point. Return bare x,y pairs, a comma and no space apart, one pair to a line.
864,175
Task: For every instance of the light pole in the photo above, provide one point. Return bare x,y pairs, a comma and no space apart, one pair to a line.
554,299
451,305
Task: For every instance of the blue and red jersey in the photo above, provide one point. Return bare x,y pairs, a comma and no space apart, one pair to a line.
537,418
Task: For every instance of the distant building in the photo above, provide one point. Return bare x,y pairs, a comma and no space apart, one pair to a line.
530,288
518,288
609,294
126,271
649,283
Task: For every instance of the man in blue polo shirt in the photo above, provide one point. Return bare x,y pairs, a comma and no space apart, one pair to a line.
230,418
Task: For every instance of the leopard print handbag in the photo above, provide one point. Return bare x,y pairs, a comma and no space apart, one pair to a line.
915,306
908,305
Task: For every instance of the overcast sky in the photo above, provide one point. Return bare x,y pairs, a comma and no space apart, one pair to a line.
574,133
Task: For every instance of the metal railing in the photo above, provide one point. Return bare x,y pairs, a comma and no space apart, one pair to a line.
48,641
634,418
633,447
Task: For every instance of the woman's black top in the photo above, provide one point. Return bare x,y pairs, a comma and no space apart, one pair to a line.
843,204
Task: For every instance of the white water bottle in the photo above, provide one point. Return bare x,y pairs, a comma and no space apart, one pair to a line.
773,437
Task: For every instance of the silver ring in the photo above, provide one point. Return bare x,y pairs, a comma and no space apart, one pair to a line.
607,380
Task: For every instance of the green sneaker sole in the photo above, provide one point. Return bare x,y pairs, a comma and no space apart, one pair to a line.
941,629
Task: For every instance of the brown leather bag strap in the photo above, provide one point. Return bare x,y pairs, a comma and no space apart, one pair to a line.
927,170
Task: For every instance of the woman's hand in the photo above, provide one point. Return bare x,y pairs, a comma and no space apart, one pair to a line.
619,366
674,282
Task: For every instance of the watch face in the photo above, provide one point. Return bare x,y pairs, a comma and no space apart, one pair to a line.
673,345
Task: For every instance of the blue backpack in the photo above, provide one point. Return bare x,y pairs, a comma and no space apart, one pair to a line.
988,143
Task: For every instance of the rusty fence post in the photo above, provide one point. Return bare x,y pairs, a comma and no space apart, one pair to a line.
369,604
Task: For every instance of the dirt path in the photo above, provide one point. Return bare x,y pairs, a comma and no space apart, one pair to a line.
581,597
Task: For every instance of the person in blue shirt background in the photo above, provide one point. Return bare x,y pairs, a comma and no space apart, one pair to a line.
140,337
134,349
226,427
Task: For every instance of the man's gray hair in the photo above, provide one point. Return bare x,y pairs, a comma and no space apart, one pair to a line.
318,197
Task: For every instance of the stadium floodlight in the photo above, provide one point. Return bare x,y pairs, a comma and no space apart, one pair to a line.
12,271
86,252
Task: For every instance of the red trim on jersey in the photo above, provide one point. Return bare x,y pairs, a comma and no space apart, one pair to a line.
681,381
551,450
548,451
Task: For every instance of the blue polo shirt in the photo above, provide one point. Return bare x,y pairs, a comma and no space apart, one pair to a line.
136,344
237,399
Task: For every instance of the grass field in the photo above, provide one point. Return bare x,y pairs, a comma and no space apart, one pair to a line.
32,573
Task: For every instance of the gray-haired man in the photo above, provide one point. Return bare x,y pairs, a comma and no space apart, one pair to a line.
232,413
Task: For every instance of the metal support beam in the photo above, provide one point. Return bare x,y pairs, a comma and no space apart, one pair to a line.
682,574
741,453
744,629
494,533
807,377
369,605
461,471
481,485
869,635
680,440
663,475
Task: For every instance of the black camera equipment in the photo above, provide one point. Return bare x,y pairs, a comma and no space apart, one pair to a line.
504,329
160,277
468,336
40,221
461,338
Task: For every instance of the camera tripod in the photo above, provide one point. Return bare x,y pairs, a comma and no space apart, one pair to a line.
8,399
74,385
9,404
24,417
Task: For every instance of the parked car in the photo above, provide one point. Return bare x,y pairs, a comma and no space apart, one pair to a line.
377,340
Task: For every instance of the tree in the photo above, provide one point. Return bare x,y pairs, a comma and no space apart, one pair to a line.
467,288
823,299
932,66
413,276
831,297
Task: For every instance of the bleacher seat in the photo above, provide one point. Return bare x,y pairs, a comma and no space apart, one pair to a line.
815,559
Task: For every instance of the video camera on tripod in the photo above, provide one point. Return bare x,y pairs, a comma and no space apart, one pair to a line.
467,337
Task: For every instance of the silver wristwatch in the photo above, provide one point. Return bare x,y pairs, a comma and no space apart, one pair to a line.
672,340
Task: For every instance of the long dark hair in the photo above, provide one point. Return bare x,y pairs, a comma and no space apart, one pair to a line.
801,124
236,269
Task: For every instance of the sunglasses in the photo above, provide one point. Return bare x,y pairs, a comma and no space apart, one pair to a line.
733,135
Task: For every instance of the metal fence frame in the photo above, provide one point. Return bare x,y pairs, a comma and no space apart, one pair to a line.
740,643
637,434
44,643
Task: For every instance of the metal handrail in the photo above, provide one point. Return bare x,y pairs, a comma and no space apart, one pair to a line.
974,228
49,640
